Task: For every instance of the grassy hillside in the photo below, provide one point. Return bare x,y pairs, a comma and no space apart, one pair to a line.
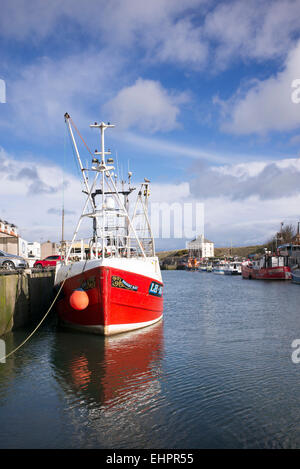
177,253
242,251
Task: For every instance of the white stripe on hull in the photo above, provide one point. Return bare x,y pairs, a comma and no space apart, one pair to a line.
149,267
110,329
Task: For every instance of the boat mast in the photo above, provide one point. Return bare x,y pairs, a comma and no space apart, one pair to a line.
107,180
102,128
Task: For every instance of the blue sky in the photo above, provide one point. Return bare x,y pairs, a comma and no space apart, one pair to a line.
200,92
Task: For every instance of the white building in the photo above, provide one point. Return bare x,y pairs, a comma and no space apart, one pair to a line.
34,250
8,229
12,243
201,247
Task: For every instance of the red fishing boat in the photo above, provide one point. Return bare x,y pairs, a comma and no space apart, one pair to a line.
268,267
116,284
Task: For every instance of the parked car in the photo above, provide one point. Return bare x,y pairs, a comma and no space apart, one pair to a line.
49,261
11,262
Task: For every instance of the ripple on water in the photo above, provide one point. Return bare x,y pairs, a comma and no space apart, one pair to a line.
217,372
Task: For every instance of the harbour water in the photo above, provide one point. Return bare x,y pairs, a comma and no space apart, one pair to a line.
216,373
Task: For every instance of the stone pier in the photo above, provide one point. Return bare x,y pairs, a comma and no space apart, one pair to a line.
24,298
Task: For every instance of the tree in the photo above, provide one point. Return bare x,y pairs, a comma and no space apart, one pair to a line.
287,234
284,236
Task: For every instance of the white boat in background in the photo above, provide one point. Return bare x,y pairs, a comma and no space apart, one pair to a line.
233,268
219,268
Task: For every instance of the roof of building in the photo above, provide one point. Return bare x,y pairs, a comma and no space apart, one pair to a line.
203,240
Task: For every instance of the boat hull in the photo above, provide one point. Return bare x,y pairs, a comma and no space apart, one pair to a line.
271,273
296,277
232,272
118,301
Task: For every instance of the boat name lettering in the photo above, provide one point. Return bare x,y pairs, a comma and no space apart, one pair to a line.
155,289
119,282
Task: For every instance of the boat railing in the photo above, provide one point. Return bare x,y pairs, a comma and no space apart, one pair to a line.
120,246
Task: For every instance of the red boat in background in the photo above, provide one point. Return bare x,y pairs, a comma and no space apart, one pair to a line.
268,267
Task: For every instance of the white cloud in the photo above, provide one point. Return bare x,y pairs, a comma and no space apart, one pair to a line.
252,30
245,202
37,211
119,23
165,31
267,106
241,222
29,189
266,180
125,18
171,31
245,220
180,43
170,192
147,106
42,92
250,221
171,149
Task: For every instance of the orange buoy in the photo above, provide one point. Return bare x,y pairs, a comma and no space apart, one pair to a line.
79,299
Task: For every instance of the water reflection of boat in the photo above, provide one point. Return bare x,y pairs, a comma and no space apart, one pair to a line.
111,370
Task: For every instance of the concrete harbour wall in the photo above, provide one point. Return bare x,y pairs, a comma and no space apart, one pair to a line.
24,298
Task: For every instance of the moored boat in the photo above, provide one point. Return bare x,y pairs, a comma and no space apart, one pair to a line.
219,268
233,268
116,286
192,264
268,267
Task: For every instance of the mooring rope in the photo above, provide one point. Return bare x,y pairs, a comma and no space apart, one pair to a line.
36,328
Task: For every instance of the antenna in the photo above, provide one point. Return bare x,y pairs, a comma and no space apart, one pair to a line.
102,127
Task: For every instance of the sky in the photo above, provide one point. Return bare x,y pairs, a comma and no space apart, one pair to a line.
205,97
